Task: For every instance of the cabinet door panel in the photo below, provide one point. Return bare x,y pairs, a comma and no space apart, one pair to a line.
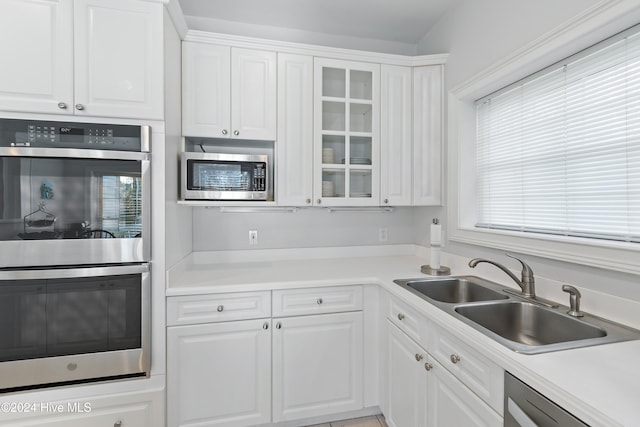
395,136
427,135
118,73
453,404
295,130
406,381
37,55
206,97
253,88
219,374
317,365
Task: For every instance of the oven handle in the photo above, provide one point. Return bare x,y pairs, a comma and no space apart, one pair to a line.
68,273
72,153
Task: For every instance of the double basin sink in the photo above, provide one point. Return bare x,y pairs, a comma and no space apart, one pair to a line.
523,325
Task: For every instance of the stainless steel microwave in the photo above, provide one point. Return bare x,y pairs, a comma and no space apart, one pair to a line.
226,177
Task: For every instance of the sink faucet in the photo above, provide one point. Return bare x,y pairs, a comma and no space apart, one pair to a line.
527,283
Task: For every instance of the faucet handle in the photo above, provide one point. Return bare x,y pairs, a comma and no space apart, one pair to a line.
526,270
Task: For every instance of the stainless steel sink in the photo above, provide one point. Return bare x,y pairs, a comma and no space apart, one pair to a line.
453,290
524,325
529,324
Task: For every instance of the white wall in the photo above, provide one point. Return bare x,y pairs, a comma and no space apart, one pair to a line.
215,230
299,36
478,34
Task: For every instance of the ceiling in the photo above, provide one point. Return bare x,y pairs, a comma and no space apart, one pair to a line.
404,21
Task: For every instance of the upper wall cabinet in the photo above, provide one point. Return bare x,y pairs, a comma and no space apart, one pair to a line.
66,57
228,92
346,133
294,146
427,135
411,163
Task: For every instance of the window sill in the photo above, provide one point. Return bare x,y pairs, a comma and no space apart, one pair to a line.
618,256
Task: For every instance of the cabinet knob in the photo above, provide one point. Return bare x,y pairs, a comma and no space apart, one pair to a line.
79,107
386,201
278,325
455,358
308,201
319,201
220,308
428,366
62,105
400,316
224,131
236,132
419,357
265,325
319,301
117,423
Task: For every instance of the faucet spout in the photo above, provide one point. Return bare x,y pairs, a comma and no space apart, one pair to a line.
526,283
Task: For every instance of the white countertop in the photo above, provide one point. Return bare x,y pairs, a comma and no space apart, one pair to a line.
600,385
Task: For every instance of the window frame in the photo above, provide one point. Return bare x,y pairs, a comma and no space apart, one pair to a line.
596,24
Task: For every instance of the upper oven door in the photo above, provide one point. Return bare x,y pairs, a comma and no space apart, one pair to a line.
64,206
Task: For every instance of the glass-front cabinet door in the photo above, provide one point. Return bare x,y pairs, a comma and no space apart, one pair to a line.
346,133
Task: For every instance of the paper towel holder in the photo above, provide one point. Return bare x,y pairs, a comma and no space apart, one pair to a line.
441,270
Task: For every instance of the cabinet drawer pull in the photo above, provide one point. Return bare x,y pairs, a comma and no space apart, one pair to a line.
455,358
265,325
278,325
62,105
224,131
428,366
220,308
419,357
319,301
79,107
236,132
308,201
319,201
386,201
400,316
117,423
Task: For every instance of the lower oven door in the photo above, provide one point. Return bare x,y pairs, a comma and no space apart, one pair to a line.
73,325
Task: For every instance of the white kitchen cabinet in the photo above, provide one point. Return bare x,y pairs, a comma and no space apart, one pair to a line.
406,380
317,365
139,409
427,135
411,136
66,57
37,55
219,374
346,133
294,146
450,403
228,92
223,369
396,142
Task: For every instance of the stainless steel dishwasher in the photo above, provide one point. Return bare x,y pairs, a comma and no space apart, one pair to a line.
525,407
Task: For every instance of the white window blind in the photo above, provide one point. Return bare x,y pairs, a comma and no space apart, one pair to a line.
559,151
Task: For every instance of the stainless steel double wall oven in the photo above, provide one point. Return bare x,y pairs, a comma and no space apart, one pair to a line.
74,252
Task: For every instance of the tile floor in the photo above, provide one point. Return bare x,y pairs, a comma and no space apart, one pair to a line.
372,421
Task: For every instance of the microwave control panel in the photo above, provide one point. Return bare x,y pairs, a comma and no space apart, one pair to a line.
259,177
47,134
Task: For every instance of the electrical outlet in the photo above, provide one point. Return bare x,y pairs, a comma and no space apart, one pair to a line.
253,237
382,234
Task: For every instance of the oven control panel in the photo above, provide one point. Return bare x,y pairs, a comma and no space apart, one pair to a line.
97,136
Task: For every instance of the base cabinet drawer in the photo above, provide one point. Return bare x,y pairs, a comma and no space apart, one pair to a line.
335,299
192,309
143,409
